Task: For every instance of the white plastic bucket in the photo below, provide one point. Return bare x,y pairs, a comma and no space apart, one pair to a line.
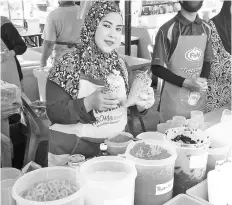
48,174
190,167
220,185
217,154
8,178
41,74
113,191
154,184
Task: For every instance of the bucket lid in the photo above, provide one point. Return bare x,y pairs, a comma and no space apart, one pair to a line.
200,137
165,145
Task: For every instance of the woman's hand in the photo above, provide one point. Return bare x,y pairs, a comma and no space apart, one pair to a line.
146,99
99,101
196,84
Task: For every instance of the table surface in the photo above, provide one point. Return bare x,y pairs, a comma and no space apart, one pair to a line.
215,115
133,38
135,63
31,34
32,58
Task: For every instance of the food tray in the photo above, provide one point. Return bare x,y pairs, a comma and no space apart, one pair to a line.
200,192
183,199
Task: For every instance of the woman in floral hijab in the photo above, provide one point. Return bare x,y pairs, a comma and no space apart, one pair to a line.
74,87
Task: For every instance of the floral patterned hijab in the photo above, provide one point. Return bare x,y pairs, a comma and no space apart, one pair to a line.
87,58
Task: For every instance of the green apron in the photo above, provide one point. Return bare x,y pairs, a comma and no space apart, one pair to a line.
186,61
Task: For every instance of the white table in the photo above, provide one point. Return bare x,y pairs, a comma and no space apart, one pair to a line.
215,115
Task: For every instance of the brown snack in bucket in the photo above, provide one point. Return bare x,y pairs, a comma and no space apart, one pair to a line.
120,138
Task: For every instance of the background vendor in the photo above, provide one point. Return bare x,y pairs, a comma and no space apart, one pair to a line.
62,31
181,57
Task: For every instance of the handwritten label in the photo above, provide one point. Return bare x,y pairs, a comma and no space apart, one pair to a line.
119,201
197,162
164,188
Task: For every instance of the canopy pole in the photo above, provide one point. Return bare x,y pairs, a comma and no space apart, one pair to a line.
8,5
128,27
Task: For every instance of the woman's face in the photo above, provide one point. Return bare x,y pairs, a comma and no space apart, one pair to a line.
108,33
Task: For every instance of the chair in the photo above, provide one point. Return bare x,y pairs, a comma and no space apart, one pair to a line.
6,154
38,132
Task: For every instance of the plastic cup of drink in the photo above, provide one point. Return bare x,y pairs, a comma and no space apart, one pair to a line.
226,115
163,127
193,123
178,121
199,116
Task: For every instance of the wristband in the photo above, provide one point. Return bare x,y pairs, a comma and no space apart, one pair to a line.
144,112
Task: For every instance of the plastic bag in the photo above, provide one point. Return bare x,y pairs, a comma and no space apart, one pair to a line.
10,99
31,166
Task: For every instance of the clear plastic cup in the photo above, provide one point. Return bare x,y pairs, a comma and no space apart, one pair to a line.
178,121
193,123
226,115
199,116
163,127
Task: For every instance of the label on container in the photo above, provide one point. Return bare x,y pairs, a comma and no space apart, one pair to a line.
197,162
164,188
118,201
219,163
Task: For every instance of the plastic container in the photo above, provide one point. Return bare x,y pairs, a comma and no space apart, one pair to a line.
200,192
41,74
8,179
190,167
154,183
109,191
116,146
49,173
217,155
199,116
178,121
220,185
150,136
183,199
163,127
10,173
